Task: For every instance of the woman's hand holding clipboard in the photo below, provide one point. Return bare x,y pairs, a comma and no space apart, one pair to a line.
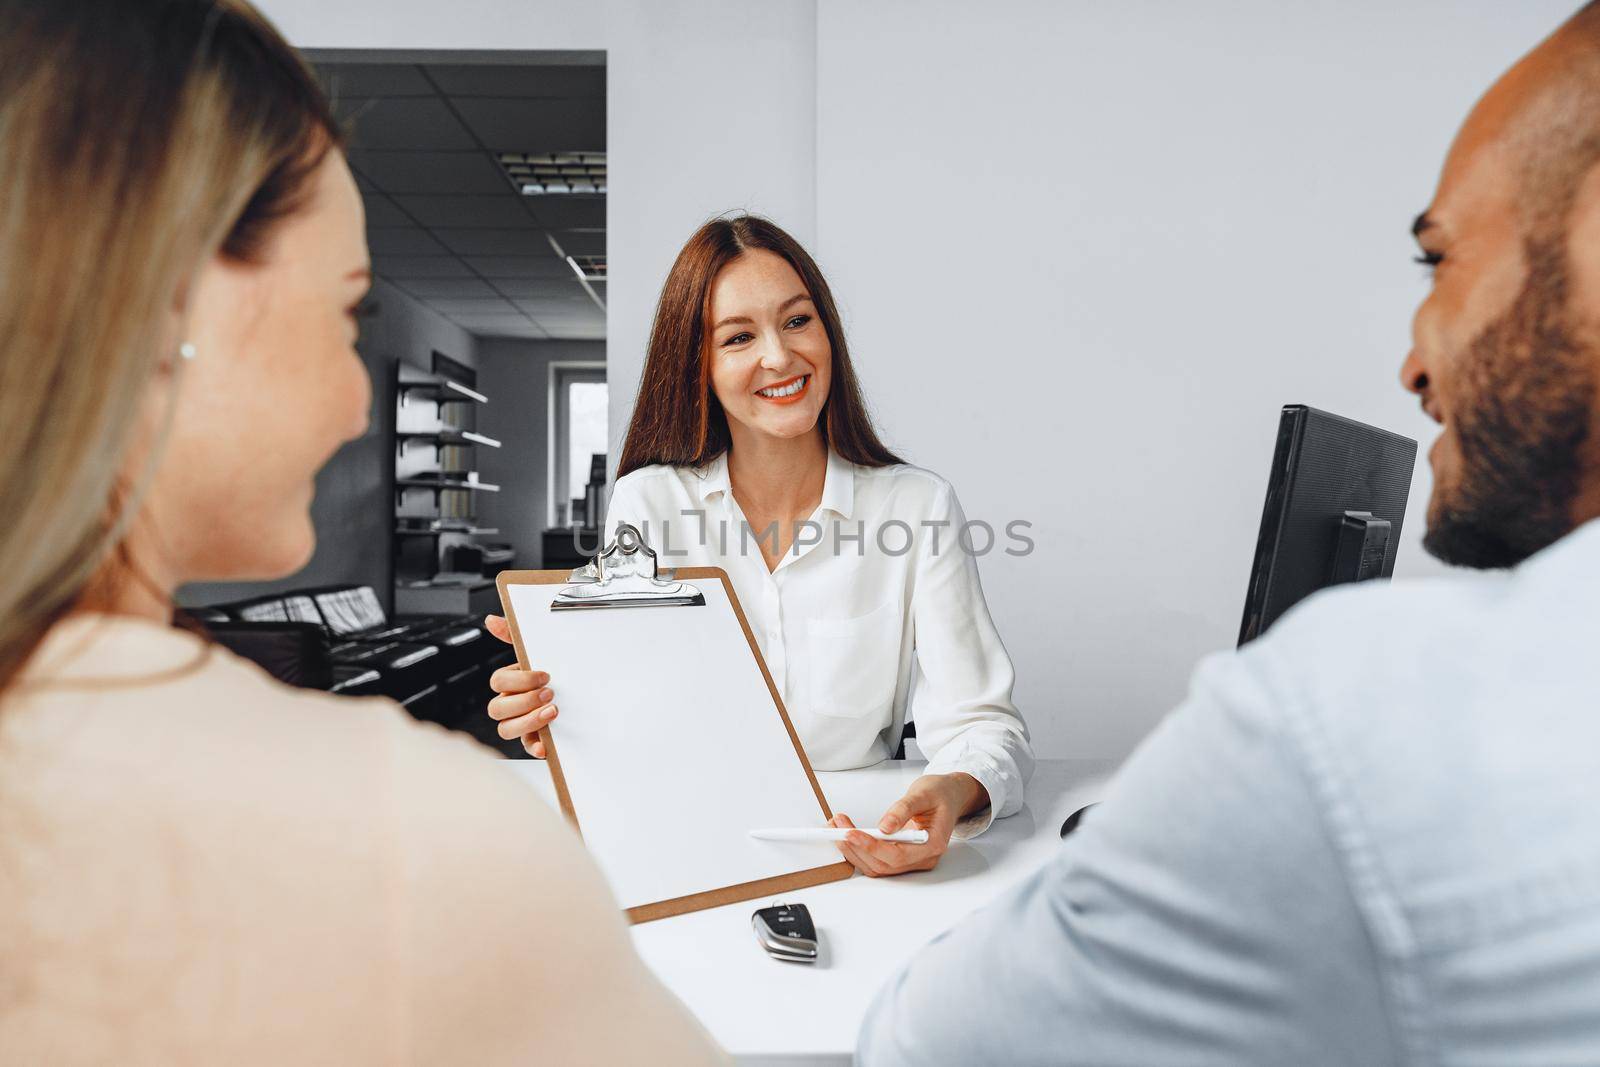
524,704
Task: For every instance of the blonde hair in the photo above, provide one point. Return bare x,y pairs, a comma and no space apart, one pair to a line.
138,140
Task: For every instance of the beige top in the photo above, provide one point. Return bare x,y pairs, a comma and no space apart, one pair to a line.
200,865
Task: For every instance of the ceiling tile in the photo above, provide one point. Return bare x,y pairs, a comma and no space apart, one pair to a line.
498,243
554,323
554,314
574,314
411,267
349,81
520,267
381,211
514,81
581,242
410,241
430,172
498,325
403,122
463,288
562,288
453,306
529,332
563,212
575,333
512,125
469,212
554,304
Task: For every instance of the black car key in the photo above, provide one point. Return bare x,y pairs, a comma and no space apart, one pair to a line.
786,932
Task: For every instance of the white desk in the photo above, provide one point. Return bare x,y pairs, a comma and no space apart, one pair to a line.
867,927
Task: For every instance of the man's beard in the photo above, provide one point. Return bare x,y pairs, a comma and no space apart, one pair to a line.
1522,417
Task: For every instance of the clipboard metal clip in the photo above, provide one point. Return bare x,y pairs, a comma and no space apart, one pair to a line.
624,575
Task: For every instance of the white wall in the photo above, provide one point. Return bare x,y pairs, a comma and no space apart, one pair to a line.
1087,250
711,106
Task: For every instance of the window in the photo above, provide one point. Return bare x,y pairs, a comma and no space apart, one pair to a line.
578,431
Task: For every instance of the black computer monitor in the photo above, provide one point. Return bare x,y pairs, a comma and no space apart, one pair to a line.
1336,499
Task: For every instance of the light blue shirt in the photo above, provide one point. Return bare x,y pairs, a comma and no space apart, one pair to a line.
1372,837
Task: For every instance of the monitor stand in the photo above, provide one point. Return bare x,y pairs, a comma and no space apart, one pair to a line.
1363,544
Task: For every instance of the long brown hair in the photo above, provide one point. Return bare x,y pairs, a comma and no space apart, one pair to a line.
677,418
138,140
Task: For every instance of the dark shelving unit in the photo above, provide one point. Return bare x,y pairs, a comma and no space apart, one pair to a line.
436,488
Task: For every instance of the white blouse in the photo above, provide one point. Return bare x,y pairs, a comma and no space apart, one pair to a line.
874,609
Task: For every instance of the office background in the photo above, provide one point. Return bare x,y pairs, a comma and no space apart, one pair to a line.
1083,251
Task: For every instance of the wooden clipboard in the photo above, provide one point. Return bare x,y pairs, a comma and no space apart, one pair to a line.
786,881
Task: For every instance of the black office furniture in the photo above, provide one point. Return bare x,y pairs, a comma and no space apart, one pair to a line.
338,638
567,547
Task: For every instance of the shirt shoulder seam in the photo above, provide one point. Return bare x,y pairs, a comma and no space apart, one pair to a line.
1382,917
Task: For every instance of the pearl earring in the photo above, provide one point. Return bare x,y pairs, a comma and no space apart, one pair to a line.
187,350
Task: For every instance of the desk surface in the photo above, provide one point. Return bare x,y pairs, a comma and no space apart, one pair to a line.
867,927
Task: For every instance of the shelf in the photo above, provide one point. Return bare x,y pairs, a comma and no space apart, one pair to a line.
460,438
438,486
442,439
445,483
423,535
439,390
445,580
471,531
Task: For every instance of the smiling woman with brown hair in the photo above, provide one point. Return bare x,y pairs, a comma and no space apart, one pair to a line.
198,865
751,450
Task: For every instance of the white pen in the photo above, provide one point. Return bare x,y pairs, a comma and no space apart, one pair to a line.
837,833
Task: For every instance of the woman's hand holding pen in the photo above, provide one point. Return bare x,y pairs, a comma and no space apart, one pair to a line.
935,803
524,706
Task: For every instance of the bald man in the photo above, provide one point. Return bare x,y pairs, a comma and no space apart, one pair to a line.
1374,836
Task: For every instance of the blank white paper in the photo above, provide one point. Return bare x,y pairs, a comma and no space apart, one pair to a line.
670,744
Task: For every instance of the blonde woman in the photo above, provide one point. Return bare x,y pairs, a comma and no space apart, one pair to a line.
198,865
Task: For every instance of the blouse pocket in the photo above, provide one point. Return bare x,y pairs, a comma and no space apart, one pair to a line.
855,663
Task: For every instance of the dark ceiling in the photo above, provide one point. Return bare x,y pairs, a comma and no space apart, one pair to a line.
444,222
